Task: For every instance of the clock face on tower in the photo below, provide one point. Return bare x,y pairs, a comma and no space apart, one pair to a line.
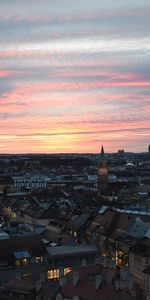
102,171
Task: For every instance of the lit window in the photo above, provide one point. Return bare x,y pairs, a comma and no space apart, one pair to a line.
22,262
67,270
52,274
25,261
39,259
26,274
17,262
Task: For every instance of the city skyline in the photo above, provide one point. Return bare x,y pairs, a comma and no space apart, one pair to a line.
74,75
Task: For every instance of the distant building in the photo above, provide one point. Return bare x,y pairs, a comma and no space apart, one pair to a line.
121,152
149,149
31,181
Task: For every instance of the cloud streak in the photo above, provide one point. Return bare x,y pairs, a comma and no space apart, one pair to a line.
74,74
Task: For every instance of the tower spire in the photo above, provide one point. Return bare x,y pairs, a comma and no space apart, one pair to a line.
102,150
102,156
102,173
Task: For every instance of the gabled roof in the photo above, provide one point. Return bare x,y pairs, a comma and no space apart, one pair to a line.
111,223
102,222
43,213
122,224
81,220
142,248
138,228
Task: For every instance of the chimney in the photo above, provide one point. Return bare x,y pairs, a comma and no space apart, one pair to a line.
105,263
61,272
18,276
75,275
121,284
42,277
129,282
84,263
98,281
126,278
62,281
38,285
123,273
59,297
117,285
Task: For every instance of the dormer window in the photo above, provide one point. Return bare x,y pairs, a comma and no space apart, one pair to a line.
22,258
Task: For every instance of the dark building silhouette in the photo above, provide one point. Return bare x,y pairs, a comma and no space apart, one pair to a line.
102,173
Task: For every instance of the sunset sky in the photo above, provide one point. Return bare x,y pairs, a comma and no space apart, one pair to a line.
74,74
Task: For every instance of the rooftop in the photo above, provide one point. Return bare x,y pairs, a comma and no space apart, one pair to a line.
93,282
70,250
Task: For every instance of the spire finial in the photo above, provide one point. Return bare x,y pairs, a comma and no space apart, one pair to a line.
102,155
102,150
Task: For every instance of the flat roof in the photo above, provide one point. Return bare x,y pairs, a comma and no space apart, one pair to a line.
70,250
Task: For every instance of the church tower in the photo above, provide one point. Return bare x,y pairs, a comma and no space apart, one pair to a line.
102,173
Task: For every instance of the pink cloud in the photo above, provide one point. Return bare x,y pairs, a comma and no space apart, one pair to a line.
30,120
8,73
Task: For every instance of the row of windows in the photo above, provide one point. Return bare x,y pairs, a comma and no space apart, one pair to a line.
30,184
27,261
53,274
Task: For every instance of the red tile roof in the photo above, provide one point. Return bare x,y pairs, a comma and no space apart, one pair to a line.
26,284
85,288
111,223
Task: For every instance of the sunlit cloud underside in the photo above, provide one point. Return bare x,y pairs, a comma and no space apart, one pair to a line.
74,76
